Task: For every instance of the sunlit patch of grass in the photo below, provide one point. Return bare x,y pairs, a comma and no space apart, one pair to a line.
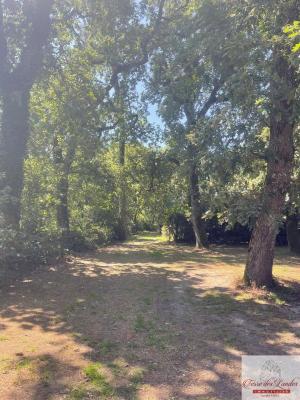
94,372
3,338
244,296
118,366
41,368
126,378
78,393
136,374
151,236
25,363
262,296
5,364
275,298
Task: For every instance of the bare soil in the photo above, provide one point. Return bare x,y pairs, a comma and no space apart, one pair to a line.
143,320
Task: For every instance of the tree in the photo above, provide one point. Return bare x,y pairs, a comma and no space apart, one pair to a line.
190,74
22,41
283,81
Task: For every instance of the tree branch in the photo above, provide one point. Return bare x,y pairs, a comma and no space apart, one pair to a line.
105,128
118,68
212,99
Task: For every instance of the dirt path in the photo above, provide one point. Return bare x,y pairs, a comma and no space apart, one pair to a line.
143,320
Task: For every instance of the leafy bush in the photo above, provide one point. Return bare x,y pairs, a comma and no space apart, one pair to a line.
181,228
19,248
75,241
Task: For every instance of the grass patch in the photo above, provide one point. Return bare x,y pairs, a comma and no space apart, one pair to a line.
151,236
136,374
216,298
41,368
262,296
98,380
25,363
218,301
156,340
140,325
5,365
106,347
78,393
155,336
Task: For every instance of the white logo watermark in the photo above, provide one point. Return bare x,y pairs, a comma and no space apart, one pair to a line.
270,377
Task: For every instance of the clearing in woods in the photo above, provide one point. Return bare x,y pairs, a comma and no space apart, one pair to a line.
142,320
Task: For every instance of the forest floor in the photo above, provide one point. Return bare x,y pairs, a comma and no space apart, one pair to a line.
142,320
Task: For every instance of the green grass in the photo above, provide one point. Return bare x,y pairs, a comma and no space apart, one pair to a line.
5,364
106,347
98,380
140,325
155,335
78,393
150,236
24,363
136,375
213,300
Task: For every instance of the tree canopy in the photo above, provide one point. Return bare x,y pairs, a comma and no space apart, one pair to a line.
123,115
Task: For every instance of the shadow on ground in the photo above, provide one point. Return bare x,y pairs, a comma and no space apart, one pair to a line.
142,320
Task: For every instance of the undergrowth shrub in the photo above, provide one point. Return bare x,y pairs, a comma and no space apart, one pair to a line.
21,249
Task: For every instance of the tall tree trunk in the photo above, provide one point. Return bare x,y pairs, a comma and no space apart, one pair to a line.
62,210
63,220
259,265
123,220
16,80
63,164
293,233
14,135
196,212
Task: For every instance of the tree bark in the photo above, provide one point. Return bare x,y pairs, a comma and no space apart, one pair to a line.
15,85
196,212
63,220
123,220
63,164
293,233
258,271
13,139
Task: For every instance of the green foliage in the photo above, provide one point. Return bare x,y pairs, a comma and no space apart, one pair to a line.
98,379
293,32
204,65
23,249
180,229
